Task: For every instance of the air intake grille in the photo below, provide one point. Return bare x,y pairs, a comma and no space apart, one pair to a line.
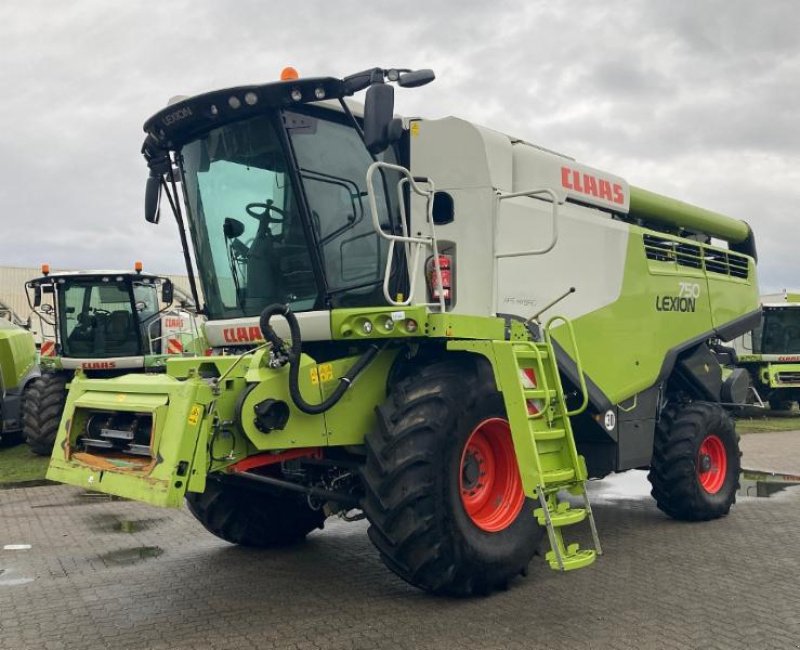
696,256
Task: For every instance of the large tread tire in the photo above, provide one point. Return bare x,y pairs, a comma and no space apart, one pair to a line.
412,493
780,404
42,410
251,516
675,468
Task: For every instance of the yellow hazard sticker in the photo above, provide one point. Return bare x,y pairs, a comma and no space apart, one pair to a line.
415,129
121,397
194,414
322,373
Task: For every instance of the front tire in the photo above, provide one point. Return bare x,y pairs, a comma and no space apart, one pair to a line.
696,462
252,516
42,410
442,488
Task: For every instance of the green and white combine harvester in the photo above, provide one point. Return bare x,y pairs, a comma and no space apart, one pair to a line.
441,328
103,324
771,352
18,371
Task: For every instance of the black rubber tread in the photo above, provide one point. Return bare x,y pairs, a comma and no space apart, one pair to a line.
779,404
673,471
411,482
42,410
250,516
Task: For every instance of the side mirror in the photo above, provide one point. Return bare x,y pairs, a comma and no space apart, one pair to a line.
416,78
378,112
167,291
152,199
37,296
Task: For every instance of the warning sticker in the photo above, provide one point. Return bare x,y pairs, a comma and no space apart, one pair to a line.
414,129
194,414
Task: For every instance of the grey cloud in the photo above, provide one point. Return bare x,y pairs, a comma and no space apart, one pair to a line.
698,100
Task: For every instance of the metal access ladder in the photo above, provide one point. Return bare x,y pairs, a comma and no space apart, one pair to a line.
543,441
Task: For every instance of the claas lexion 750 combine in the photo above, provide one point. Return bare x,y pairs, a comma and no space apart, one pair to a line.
448,331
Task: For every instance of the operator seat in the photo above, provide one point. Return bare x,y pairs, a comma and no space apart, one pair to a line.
81,338
120,335
263,271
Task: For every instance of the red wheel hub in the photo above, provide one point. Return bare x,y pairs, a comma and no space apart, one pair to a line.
712,464
491,489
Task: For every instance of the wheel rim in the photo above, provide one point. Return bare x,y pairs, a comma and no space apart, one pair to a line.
489,482
712,464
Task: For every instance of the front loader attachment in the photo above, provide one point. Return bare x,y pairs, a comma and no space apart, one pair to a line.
142,437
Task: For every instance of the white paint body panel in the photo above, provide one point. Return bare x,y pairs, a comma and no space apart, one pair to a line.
110,363
231,332
475,166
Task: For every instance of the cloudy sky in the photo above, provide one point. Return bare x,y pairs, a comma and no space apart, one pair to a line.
697,100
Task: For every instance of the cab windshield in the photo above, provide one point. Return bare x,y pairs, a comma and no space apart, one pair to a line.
98,318
278,214
780,331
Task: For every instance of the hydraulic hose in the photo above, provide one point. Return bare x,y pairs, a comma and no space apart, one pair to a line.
292,356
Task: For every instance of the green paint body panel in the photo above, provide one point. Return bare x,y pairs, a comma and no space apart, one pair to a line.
671,212
17,355
640,334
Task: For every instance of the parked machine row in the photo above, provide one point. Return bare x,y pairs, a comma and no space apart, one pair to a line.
437,327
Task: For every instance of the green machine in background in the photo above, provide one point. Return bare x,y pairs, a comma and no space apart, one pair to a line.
18,370
425,323
771,352
103,323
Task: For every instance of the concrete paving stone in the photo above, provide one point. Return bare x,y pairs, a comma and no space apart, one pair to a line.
730,583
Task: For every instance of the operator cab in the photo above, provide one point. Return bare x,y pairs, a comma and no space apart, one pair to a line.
100,314
779,330
274,184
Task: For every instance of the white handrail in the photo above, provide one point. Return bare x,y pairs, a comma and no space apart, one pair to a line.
553,220
412,261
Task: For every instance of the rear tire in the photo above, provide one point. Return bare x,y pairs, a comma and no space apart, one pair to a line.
696,463
251,516
779,404
419,478
42,409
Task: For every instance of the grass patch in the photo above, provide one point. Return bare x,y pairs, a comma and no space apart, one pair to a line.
767,422
19,464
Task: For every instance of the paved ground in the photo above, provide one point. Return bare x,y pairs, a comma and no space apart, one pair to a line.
87,583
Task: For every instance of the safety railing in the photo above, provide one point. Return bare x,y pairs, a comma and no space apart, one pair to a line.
413,246
183,335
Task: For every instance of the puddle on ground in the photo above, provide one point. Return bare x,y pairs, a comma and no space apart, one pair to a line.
131,555
630,485
633,485
112,523
754,483
9,578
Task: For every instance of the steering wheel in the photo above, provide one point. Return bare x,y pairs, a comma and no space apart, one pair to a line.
101,312
264,211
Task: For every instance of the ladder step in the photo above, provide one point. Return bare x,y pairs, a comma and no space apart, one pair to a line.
531,356
538,393
564,515
548,434
560,475
574,559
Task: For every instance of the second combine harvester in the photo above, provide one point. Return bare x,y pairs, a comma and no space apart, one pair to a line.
415,371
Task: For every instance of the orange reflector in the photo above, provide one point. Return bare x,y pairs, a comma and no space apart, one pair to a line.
45,269
137,266
289,73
